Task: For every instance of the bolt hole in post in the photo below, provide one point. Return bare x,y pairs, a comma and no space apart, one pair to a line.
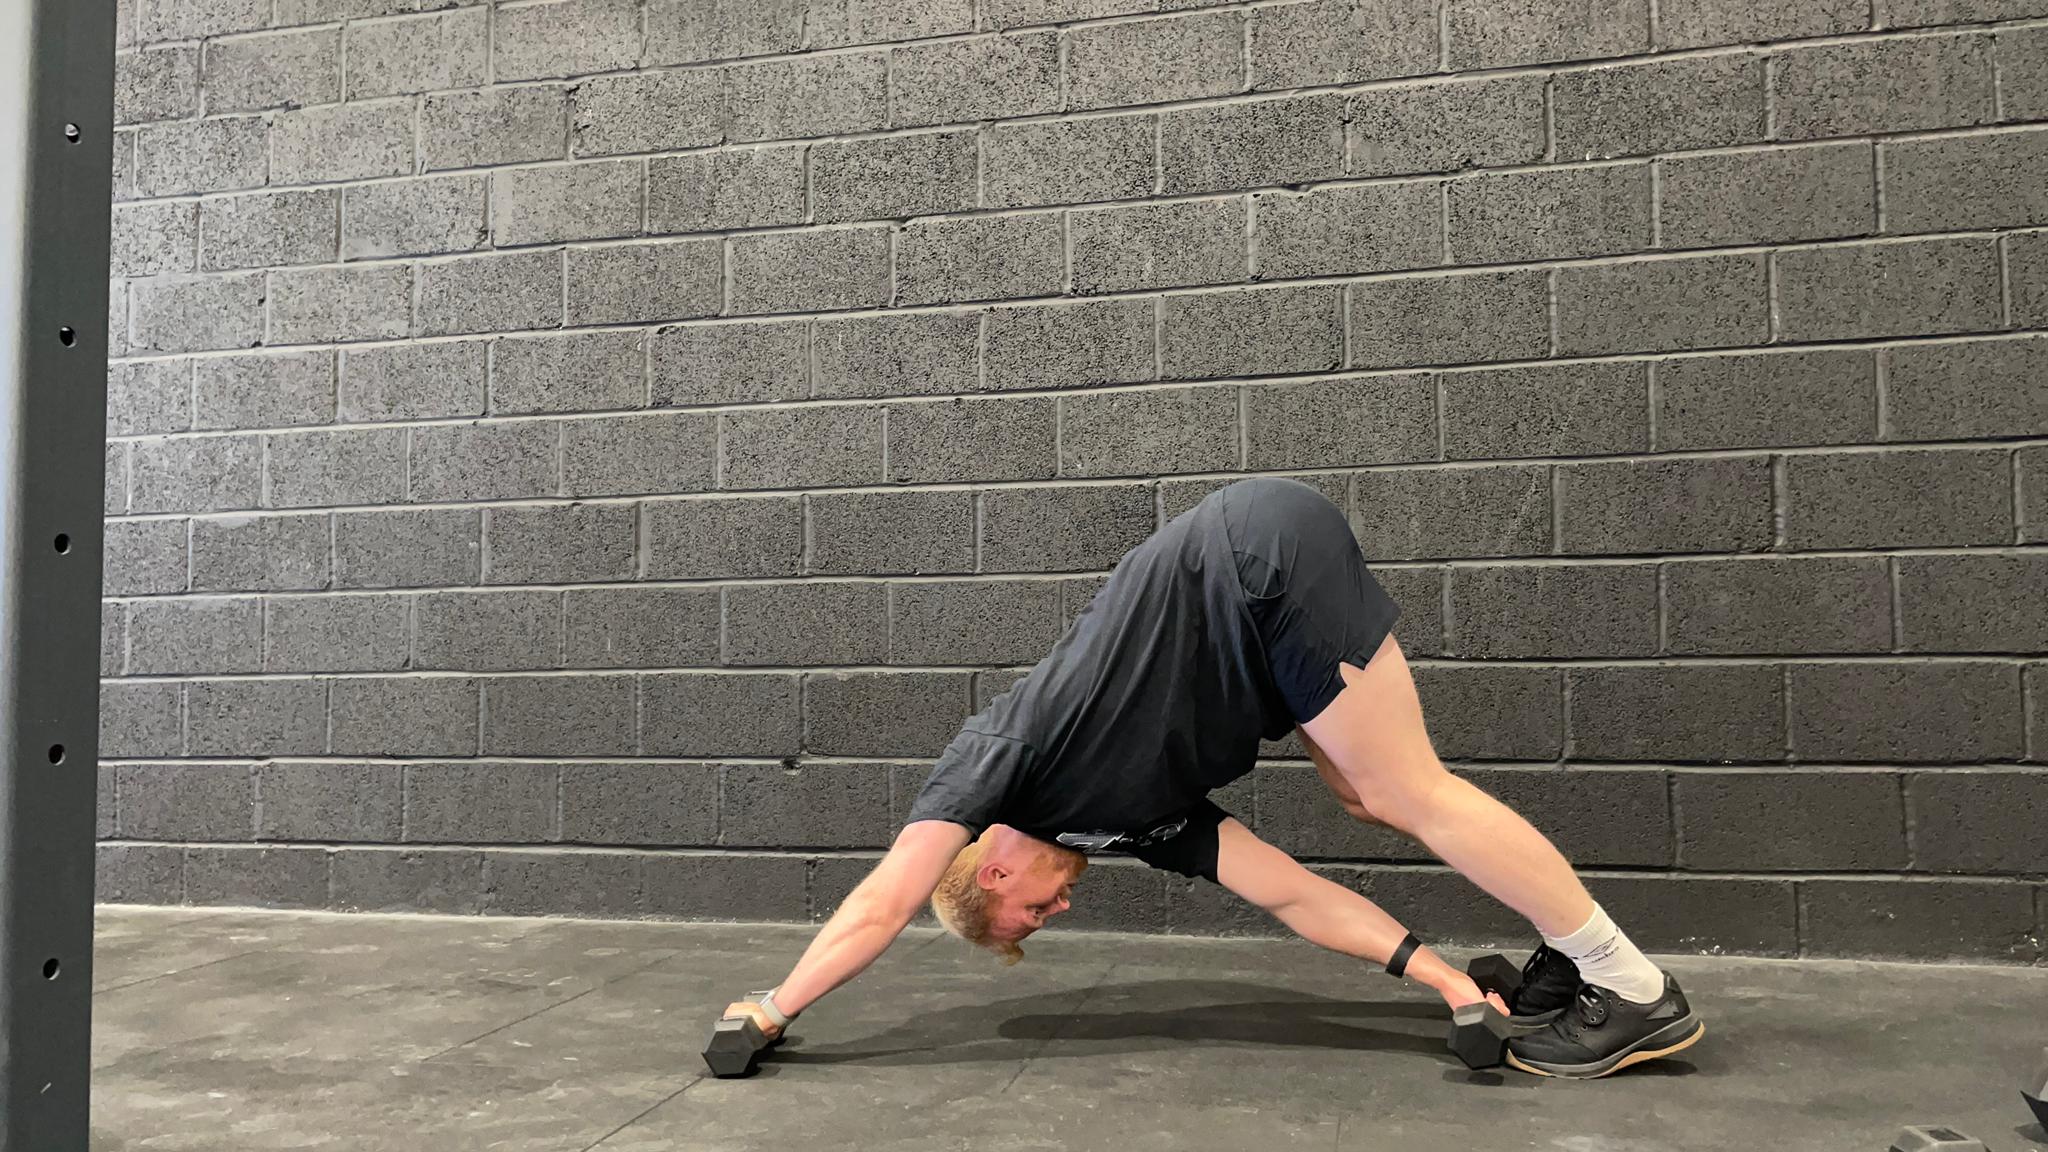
56,753
62,542
51,968
67,336
72,133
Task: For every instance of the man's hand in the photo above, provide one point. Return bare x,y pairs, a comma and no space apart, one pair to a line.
761,1020
1458,990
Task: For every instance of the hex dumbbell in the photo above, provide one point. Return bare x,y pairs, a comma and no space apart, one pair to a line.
1479,1035
737,1043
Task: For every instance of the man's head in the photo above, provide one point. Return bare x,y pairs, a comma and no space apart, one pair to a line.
1003,887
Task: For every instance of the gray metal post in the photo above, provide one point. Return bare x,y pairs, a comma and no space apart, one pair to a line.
56,144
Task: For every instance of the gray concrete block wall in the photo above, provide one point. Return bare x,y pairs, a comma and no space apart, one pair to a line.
589,456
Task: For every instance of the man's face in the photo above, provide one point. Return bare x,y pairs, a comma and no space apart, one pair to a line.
1024,900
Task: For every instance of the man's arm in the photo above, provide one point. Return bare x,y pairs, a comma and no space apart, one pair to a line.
874,914
1326,913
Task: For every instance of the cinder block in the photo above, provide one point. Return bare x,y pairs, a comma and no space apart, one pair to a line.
1149,431
839,23
1901,712
323,305
648,112
140,719
1778,605
1500,33
819,270
2031,465
218,155
753,886
448,882
497,461
183,637
1120,895
259,553
975,80
992,683
273,70
412,382
158,20
1914,13
560,544
493,126
1447,126
1159,245
577,715
1886,85
1665,106
117,320
1420,594
1579,410
593,201
1747,401
1076,594
1974,821
955,440
720,714
1979,389
496,293
293,12
407,548
1342,42
158,84
334,142
1360,420
883,713
730,188
1919,919
1427,513
1595,816
731,363
1070,345
891,533
1553,610
1558,213
980,258
197,474
1973,603
487,631
1676,712
566,38
313,469
1155,61
422,217
814,96
629,455
1767,196
154,239
894,177
577,372
113,638
646,282
471,802
1464,319
1339,231
263,391
1689,505
1013,13
802,448
403,716
144,557
329,801
186,801
1969,182
1067,161
663,805
904,354
833,878
1708,23
1269,331
974,622
1299,814
336,633
139,874
255,718
1699,915
1927,287
1178,496
418,53
1074,528
815,806
724,538
1932,498
688,31
1286,141
2022,73
1455,909
1502,712
547,883
196,313
2026,256
640,627
1662,305
806,624
248,877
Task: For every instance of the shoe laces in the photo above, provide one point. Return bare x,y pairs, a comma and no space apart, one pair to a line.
1591,1006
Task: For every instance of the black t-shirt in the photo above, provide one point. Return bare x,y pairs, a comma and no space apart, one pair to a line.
1158,694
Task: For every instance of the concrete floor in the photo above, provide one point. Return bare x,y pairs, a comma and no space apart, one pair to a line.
230,1031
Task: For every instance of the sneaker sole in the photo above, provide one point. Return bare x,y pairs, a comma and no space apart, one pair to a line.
1622,1059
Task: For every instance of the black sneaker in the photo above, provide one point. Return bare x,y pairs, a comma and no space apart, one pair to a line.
1599,1033
1549,981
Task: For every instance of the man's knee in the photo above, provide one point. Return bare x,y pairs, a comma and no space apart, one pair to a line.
1406,804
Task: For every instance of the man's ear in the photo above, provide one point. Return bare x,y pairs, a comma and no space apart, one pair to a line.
990,873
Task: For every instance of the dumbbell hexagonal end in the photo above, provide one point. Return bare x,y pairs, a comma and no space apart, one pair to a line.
1479,1035
736,1046
1495,973
1934,1138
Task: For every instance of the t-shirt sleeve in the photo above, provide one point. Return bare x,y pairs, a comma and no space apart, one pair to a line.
973,782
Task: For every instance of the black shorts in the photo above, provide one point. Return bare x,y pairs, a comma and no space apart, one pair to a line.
1193,852
1313,603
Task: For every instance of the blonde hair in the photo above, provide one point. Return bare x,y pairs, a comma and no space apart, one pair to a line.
962,904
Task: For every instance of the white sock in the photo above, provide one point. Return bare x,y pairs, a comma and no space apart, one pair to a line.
1607,958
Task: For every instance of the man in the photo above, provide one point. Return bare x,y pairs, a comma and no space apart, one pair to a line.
1250,615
